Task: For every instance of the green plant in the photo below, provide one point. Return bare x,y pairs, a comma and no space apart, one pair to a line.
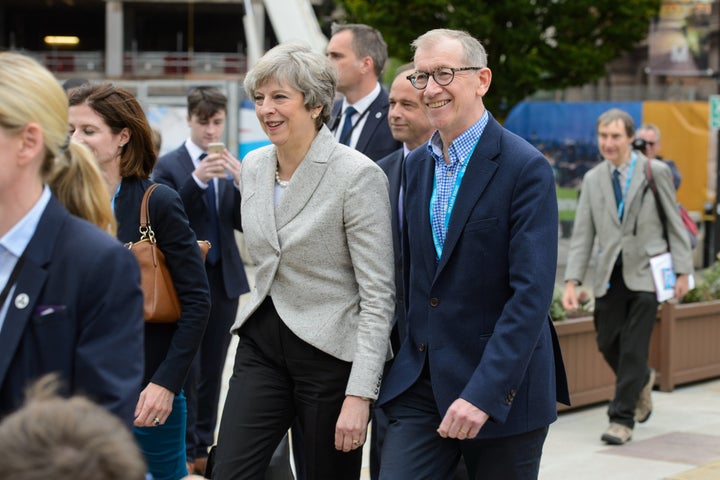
707,285
558,312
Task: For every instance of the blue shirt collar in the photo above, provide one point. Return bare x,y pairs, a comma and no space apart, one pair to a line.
463,145
18,237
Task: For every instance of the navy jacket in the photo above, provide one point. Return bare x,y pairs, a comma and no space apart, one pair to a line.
392,166
174,169
169,347
479,316
376,140
93,335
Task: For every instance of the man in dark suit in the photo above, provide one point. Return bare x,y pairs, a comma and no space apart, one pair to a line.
70,298
479,370
410,125
359,53
208,186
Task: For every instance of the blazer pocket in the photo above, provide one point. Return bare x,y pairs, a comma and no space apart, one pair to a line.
656,248
50,314
483,224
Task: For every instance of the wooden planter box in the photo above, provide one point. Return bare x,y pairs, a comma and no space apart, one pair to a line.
685,347
688,343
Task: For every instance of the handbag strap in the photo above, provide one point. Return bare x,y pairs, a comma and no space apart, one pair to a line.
146,230
661,210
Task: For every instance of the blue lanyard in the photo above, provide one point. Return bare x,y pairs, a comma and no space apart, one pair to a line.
117,192
451,201
621,206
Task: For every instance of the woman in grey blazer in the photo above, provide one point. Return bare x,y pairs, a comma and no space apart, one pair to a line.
314,333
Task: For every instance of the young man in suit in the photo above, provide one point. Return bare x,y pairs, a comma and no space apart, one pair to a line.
359,53
208,184
479,370
616,209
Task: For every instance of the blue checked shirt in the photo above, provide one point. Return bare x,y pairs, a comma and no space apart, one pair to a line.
446,174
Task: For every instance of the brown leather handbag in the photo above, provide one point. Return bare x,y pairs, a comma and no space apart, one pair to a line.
161,303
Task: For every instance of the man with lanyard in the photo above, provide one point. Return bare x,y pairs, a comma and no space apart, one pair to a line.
479,372
616,209
359,120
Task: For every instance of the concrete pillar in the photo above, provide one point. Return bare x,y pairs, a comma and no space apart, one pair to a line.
254,23
113,38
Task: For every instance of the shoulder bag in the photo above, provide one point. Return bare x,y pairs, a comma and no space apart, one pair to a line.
161,303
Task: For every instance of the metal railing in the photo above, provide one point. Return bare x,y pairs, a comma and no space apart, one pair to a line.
144,64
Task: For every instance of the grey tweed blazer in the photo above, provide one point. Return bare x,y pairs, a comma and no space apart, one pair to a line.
639,236
324,253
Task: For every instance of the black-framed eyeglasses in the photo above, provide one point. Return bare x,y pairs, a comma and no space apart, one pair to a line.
442,75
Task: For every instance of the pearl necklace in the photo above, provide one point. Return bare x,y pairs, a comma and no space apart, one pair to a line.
282,183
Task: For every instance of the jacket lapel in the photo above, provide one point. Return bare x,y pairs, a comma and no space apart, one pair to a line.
376,115
478,174
185,161
425,181
306,178
265,190
30,283
607,193
636,183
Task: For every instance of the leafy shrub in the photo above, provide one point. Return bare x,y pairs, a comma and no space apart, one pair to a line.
558,312
707,285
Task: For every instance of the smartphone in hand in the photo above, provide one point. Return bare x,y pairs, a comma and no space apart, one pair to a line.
219,147
216,147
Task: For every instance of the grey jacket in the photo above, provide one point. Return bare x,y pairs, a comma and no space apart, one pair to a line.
639,236
324,253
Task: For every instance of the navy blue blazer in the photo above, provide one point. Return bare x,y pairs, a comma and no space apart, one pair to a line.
169,347
376,140
392,166
93,335
480,315
174,169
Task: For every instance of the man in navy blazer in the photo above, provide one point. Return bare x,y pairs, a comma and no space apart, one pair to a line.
359,53
479,370
213,215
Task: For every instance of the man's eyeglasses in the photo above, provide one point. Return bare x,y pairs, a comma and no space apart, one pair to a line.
443,76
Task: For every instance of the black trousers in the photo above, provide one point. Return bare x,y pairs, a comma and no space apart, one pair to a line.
203,383
277,378
624,321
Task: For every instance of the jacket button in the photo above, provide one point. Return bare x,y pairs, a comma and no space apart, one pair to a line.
434,302
421,347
